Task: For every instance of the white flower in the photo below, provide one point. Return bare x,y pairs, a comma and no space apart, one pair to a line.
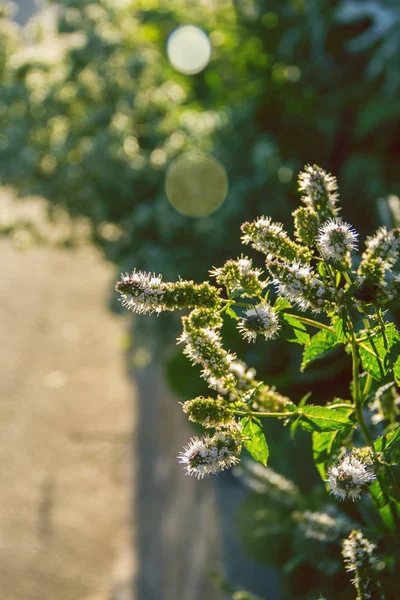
327,526
320,189
146,292
385,245
355,548
259,320
207,455
336,239
349,478
265,480
359,558
300,285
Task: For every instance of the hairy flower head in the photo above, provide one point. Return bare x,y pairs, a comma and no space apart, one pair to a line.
206,455
319,190
259,320
271,239
240,277
336,240
300,285
349,478
359,558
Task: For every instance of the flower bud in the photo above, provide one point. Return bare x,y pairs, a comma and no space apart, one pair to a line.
209,412
306,224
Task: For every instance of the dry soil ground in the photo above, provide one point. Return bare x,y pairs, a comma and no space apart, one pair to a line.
93,505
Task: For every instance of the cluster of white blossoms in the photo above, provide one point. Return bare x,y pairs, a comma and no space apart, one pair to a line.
349,478
359,558
336,240
142,293
240,276
327,526
239,375
206,455
271,239
300,285
146,293
259,320
265,480
384,245
319,191
204,347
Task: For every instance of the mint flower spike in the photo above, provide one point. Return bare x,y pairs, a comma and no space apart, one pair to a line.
328,525
209,412
359,558
336,240
306,225
259,320
384,245
300,285
203,346
207,455
349,478
270,238
319,190
146,293
240,276
141,292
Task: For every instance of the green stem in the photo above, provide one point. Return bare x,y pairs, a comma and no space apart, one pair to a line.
367,386
358,399
357,392
343,405
347,277
311,322
264,414
381,325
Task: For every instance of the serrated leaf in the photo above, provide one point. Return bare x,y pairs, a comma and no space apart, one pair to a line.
255,443
282,304
339,329
376,354
294,330
319,418
231,313
319,345
389,445
324,445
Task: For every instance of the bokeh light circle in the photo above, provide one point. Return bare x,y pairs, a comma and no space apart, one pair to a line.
189,49
196,184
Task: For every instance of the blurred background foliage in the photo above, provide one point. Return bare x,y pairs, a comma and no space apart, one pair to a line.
92,114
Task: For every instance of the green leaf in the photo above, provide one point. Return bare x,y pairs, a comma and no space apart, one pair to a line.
324,445
256,443
319,418
321,269
282,304
294,330
396,370
376,354
389,445
320,344
238,293
231,313
339,329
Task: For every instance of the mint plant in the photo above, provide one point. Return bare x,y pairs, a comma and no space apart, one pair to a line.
313,292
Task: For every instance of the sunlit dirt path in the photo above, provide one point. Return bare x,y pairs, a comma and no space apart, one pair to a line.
66,425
